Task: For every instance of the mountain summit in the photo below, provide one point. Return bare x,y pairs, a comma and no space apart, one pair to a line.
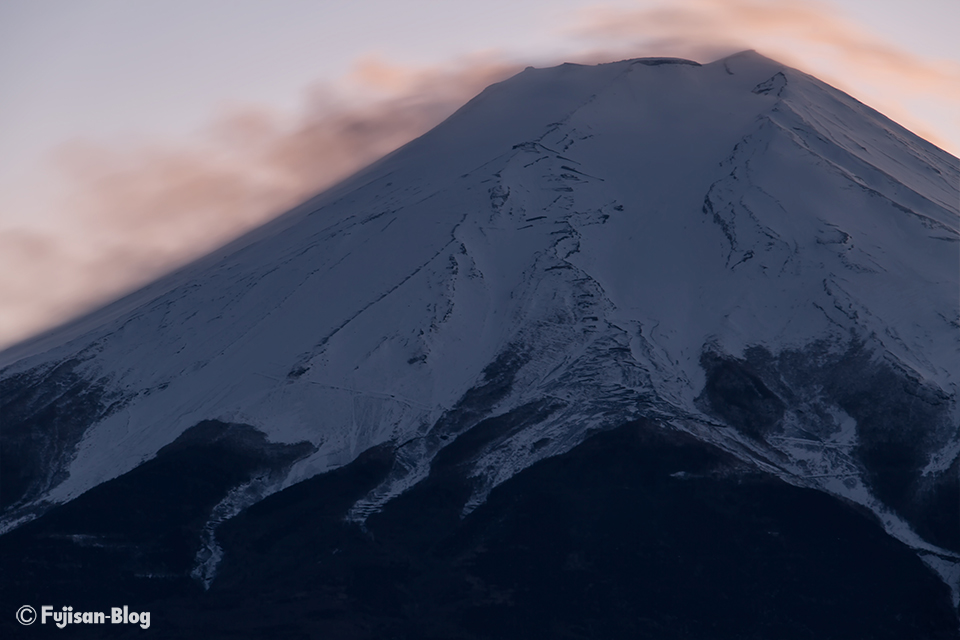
673,347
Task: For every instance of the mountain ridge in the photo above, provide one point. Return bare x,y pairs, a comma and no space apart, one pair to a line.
735,250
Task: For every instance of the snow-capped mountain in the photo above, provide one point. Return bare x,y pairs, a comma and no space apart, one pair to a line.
734,255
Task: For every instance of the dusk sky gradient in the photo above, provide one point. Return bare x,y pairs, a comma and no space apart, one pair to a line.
137,135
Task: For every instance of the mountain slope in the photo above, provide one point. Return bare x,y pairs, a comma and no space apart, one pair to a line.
733,251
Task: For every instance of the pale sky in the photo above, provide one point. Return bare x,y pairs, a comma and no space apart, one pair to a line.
112,92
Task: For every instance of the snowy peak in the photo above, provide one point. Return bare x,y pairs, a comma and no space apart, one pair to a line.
735,250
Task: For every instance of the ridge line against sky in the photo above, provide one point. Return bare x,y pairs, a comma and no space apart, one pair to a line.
137,138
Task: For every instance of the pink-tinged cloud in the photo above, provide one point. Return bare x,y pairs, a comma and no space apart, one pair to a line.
136,211
805,34
251,164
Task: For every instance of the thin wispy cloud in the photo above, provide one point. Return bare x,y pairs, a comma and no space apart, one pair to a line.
135,211
249,164
806,34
